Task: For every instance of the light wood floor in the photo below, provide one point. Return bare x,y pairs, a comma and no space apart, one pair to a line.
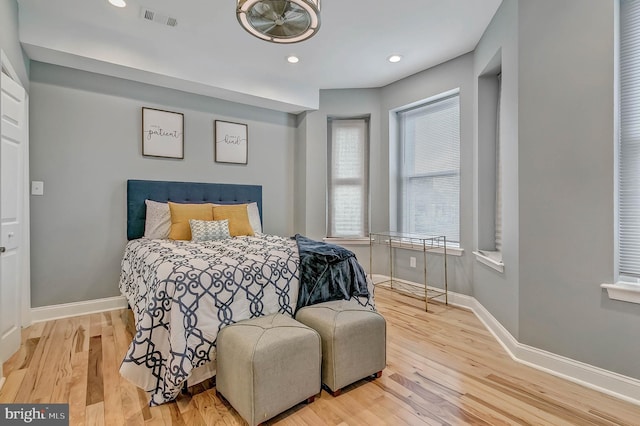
443,367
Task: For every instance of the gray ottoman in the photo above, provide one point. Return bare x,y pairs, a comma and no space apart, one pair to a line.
353,341
267,365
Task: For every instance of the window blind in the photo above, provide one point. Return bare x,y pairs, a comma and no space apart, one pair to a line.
348,189
629,143
430,169
498,224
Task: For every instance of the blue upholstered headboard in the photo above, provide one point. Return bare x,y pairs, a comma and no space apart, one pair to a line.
182,192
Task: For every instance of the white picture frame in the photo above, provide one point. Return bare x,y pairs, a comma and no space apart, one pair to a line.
162,133
231,142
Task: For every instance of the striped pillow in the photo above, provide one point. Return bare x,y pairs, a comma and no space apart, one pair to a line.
206,230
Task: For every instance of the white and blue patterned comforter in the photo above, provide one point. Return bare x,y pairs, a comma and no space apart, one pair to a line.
182,293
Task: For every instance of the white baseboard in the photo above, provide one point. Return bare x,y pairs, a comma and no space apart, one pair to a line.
377,278
605,381
65,310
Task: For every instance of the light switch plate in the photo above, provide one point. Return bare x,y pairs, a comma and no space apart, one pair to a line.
37,187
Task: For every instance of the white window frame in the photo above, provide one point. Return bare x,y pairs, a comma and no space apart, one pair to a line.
626,287
401,178
489,167
334,182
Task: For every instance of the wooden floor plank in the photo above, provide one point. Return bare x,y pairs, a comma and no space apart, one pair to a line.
69,345
95,414
111,379
21,359
28,384
95,385
443,367
203,410
11,386
78,389
36,329
52,374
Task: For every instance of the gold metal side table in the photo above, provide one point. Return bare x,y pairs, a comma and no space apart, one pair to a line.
403,240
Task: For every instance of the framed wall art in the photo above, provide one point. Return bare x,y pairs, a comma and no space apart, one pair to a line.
231,142
162,133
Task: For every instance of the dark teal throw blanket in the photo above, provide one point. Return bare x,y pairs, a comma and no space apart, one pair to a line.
328,272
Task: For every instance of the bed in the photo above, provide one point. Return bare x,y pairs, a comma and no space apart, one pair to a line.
183,292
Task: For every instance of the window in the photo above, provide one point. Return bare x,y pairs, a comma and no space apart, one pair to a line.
498,218
430,169
348,187
489,166
628,155
627,211
629,143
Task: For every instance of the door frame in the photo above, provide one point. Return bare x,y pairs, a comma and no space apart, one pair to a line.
25,260
24,270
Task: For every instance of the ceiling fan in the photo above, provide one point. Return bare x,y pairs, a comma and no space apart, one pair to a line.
280,21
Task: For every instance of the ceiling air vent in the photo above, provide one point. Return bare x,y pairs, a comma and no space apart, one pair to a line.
158,18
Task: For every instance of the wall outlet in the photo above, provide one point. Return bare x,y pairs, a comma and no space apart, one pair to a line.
412,262
37,187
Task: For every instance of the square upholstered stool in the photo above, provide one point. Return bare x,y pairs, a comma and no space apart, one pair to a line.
353,341
267,365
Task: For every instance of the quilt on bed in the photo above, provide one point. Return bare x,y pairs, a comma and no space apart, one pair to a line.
182,293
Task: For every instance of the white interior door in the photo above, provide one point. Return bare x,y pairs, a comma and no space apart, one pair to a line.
13,136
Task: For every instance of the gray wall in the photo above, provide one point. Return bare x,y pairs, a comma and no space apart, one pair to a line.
566,181
313,169
311,174
9,42
453,74
300,175
85,144
498,292
342,103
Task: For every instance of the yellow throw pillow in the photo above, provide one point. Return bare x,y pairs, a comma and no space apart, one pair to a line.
237,216
180,215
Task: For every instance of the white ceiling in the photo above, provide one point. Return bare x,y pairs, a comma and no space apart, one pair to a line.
209,53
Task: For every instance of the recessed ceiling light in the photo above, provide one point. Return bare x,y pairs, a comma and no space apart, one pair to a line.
394,58
293,59
118,3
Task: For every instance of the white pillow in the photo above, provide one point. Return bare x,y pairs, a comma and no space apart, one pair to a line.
254,217
158,222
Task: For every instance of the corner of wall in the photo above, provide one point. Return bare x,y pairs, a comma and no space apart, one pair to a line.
10,42
498,292
300,175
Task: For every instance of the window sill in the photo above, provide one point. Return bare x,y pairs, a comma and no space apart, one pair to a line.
492,263
347,241
623,291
